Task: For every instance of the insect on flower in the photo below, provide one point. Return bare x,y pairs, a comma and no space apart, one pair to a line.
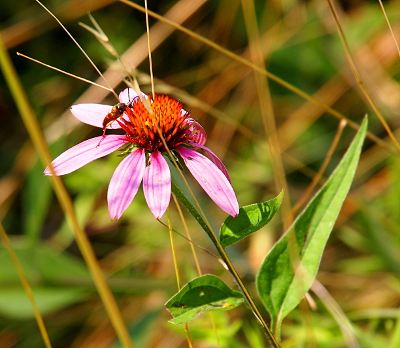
154,127
116,112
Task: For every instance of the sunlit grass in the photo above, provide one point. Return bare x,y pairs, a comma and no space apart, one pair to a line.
223,89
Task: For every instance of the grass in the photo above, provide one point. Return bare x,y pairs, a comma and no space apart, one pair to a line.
268,135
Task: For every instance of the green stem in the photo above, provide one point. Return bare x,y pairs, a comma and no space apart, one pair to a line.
82,239
192,210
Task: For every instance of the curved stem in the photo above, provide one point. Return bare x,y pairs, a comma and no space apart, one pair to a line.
184,200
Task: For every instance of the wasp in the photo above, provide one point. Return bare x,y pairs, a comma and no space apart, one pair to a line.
115,113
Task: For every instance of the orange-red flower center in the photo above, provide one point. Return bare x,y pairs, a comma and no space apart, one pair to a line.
162,112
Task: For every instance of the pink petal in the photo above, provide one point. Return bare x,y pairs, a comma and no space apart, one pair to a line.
214,158
92,114
157,184
84,153
200,135
211,179
125,183
127,95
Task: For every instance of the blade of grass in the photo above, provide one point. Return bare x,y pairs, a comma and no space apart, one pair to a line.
358,79
82,240
264,72
390,27
39,319
149,49
177,273
80,48
321,170
196,261
267,111
189,237
135,54
338,314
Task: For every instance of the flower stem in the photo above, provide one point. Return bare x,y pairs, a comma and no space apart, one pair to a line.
192,210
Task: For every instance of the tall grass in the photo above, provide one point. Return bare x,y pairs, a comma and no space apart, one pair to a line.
270,92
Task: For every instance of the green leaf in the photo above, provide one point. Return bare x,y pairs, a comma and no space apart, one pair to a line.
205,293
278,286
55,278
14,302
37,196
45,264
250,219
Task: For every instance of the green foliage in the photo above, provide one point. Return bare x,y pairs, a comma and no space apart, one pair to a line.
53,275
141,329
220,333
360,268
14,302
37,198
289,269
205,293
250,219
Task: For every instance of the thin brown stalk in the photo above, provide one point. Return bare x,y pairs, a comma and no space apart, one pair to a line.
196,259
264,72
177,272
149,49
34,22
82,240
358,79
321,170
180,12
267,111
338,314
390,27
79,46
64,72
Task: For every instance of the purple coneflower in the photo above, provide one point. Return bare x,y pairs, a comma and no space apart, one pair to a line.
144,153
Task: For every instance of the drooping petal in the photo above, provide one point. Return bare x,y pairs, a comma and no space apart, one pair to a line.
199,134
84,153
93,114
125,183
215,159
127,95
157,184
211,179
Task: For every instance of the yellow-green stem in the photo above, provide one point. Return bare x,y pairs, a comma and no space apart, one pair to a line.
25,283
82,240
177,273
171,238
183,199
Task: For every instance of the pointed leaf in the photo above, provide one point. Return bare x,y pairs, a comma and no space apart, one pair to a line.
206,293
279,287
250,219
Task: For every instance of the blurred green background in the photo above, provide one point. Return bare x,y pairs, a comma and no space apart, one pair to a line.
300,44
